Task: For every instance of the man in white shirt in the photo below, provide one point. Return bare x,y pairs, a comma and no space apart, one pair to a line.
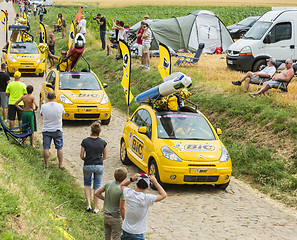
83,25
137,203
254,77
52,113
146,44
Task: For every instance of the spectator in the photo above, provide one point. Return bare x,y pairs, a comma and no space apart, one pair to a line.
14,91
61,24
30,106
93,153
146,44
51,48
285,75
52,113
137,203
254,77
64,64
102,22
34,10
121,36
83,25
4,80
147,19
41,12
16,18
139,41
114,205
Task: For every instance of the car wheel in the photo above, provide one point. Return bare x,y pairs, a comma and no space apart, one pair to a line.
105,122
123,153
223,186
259,65
153,170
41,74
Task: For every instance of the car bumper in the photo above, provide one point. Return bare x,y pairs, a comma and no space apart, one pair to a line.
26,67
241,63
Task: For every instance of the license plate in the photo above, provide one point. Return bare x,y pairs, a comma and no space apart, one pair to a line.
230,62
198,170
86,110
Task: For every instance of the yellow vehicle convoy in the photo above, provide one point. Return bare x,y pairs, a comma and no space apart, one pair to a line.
81,93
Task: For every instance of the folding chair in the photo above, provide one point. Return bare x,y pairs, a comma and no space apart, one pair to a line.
16,133
284,85
185,60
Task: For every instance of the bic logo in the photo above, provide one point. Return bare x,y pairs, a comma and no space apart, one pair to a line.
137,146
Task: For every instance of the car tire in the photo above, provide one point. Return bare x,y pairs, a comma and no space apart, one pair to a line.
153,170
123,153
259,65
223,186
105,122
41,74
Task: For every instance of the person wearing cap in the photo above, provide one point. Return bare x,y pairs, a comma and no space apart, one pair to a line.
63,63
102,22
4,80
137,203
15,90
82,25
286,75
147,19
254,77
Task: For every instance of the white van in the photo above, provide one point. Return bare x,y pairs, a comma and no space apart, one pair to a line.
42,2
273,35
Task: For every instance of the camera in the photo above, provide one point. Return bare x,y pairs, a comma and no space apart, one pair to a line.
95,18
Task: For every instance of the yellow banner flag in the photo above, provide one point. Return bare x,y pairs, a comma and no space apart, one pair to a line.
3,20
42,37
164,65
71,35
126,71
25,17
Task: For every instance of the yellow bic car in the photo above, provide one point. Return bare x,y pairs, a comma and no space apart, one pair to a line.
177,147
24,57
81,94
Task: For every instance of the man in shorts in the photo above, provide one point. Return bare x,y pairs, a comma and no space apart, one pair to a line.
254,77
146,44
52,113
4,80
15,90
286,75
139,41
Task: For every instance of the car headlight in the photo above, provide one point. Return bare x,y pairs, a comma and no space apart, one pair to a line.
246,50
225,155
169,154
234,30
104,99
64,99
38,60
12,59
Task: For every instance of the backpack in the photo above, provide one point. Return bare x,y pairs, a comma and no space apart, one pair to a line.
44,11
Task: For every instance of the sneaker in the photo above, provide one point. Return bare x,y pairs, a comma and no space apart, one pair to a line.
89,209
141,66
237,83
96,211
147,68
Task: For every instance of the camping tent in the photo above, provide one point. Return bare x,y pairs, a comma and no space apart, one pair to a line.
187,32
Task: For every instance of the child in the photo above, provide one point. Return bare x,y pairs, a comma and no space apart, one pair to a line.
28,114
114,205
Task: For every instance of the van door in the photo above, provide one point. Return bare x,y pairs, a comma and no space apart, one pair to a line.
279,41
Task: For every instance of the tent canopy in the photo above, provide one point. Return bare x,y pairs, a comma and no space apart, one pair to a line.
188,31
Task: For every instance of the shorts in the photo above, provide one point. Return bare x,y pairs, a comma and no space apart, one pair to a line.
12,110
112,227
52,52
3,100
114,45
146,48
94,172
273,83
58,139
130,236
28,117
34,12
257,79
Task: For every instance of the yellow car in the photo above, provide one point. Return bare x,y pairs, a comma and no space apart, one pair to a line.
176,147
24,57
81,93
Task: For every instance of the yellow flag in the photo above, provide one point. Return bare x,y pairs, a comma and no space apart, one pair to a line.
3,20
25,17
71,35
164,65
42,37
126,71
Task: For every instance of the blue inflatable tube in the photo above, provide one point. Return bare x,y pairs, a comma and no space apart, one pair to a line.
152,93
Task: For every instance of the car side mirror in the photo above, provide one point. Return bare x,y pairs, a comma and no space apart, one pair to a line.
105,85
50,85
219,131
267,39
142,130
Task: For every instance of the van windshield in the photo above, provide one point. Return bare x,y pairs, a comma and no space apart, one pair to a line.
257,30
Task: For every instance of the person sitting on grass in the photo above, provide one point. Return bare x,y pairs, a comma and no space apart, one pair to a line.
254,77
285,75
61,26
30,105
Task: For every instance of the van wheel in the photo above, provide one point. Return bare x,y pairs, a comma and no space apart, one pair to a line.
123,153
153,170
259,65
105,122
223,186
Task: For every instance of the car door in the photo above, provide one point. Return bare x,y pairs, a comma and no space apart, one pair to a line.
50,80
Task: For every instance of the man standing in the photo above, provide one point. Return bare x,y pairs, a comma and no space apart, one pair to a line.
137,203
15,90
52,113
102,21
4,80
83,25
146,44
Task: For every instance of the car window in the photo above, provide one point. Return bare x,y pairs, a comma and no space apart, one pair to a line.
23,48
51,78
190,126
78,81
247,22
280,32
142,118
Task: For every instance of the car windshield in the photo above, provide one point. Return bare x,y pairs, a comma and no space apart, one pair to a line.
257,30
184,126
23,48
78,81
246,22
